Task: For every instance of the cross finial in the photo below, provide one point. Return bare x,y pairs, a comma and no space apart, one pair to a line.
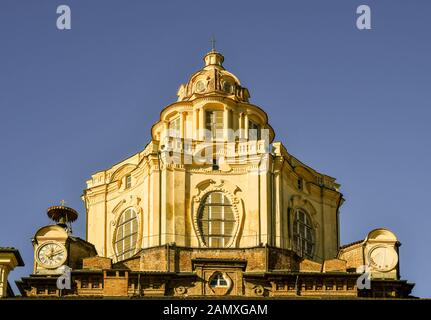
213,42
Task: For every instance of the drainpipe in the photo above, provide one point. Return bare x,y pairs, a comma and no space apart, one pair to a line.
338,220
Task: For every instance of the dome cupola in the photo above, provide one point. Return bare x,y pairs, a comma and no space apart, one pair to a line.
213,79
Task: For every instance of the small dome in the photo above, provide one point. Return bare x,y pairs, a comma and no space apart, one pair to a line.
381,234
213,79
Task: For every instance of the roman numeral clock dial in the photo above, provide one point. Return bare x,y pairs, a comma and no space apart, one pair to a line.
51,255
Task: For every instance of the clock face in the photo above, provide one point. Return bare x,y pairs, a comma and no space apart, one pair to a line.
51,255
383,258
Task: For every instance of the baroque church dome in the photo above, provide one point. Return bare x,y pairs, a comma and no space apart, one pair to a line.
213,79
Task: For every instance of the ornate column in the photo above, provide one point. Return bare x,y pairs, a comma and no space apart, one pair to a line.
278,204
183,117
196,125
201,123
226,128
164,133
245,125
240,125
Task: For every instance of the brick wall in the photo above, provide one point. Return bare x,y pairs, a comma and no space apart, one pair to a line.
334,265
115,283
96,263
353,256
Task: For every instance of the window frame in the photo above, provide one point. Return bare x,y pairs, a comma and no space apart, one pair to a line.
122,223
252,125
212,126
209,238
127,181
218,277
175,127
305,236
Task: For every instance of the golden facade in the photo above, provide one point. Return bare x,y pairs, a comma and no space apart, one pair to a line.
213,206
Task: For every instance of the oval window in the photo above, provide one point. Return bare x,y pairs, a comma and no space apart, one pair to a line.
126,234
216,220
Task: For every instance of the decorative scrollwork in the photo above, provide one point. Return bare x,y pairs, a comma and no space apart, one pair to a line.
259,290
181,290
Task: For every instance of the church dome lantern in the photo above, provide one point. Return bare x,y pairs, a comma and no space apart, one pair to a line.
213,79
214,58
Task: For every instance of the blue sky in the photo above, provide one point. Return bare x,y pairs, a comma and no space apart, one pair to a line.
352,104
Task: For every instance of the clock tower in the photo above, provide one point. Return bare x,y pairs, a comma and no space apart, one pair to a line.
55,246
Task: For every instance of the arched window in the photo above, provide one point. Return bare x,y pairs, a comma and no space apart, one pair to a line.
253,131
303,236
216,220
214,124
126,234
174,128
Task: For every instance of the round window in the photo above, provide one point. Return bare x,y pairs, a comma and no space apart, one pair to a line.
200,86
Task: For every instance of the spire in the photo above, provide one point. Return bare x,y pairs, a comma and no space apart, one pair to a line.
213,58
213,42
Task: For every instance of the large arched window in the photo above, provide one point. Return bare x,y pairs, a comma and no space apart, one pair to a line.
303,235
216,220
126,234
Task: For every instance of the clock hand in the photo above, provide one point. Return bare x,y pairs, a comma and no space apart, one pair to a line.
57,253
50,255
